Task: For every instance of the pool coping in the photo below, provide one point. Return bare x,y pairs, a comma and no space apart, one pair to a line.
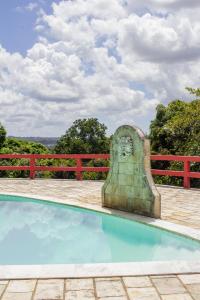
105,269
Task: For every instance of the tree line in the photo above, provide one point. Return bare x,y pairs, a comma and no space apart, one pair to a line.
175,130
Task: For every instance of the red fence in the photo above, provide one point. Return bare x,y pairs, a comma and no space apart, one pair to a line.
79,168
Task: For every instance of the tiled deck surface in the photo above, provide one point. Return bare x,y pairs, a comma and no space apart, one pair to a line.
178,206
183,287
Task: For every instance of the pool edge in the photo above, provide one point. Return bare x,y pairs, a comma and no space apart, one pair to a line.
98,270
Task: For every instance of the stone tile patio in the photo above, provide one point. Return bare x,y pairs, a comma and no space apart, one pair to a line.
178,206
180,287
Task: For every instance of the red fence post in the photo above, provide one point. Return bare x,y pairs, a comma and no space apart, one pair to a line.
32,168
79,167
186,183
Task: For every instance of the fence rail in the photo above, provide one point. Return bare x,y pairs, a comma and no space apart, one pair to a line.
79,168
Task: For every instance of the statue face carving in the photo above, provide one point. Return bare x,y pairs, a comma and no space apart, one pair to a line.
126,148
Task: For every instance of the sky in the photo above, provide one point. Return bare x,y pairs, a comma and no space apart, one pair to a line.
114,60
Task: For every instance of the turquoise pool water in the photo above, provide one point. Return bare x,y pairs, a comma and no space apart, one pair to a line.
38,232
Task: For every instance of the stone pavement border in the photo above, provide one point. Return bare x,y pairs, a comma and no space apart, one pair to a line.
168,287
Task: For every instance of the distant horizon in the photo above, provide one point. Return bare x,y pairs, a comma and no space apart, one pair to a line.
49,137
38,136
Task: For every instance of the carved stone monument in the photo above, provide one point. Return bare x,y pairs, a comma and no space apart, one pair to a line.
129,185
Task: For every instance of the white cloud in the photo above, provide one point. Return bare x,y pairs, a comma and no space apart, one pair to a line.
102,59
31,6
161,6
156,39
99,9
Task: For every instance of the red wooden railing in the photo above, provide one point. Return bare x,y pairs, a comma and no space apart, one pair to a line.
186,174
79,168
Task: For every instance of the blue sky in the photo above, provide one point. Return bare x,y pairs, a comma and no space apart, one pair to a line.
17,33
115,60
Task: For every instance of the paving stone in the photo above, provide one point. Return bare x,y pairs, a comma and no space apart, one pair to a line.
21,286
148,293
3,282
168,285
177,297
194,289
143,281
2,288
79,284
51,289
80,295
17,296
190,278
107,279
114,298
163,276
109,289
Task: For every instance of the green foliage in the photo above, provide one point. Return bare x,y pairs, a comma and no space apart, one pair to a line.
95,175
176,131
17,146
84,136
65,163
192,91
176,128
2,135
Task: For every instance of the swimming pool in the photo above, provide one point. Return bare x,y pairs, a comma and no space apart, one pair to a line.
40,232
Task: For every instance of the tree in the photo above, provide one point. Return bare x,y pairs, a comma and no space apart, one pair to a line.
19,146
2,135
84,136
176,130
192,91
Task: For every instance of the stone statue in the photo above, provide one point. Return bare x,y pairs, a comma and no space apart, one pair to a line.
129,185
